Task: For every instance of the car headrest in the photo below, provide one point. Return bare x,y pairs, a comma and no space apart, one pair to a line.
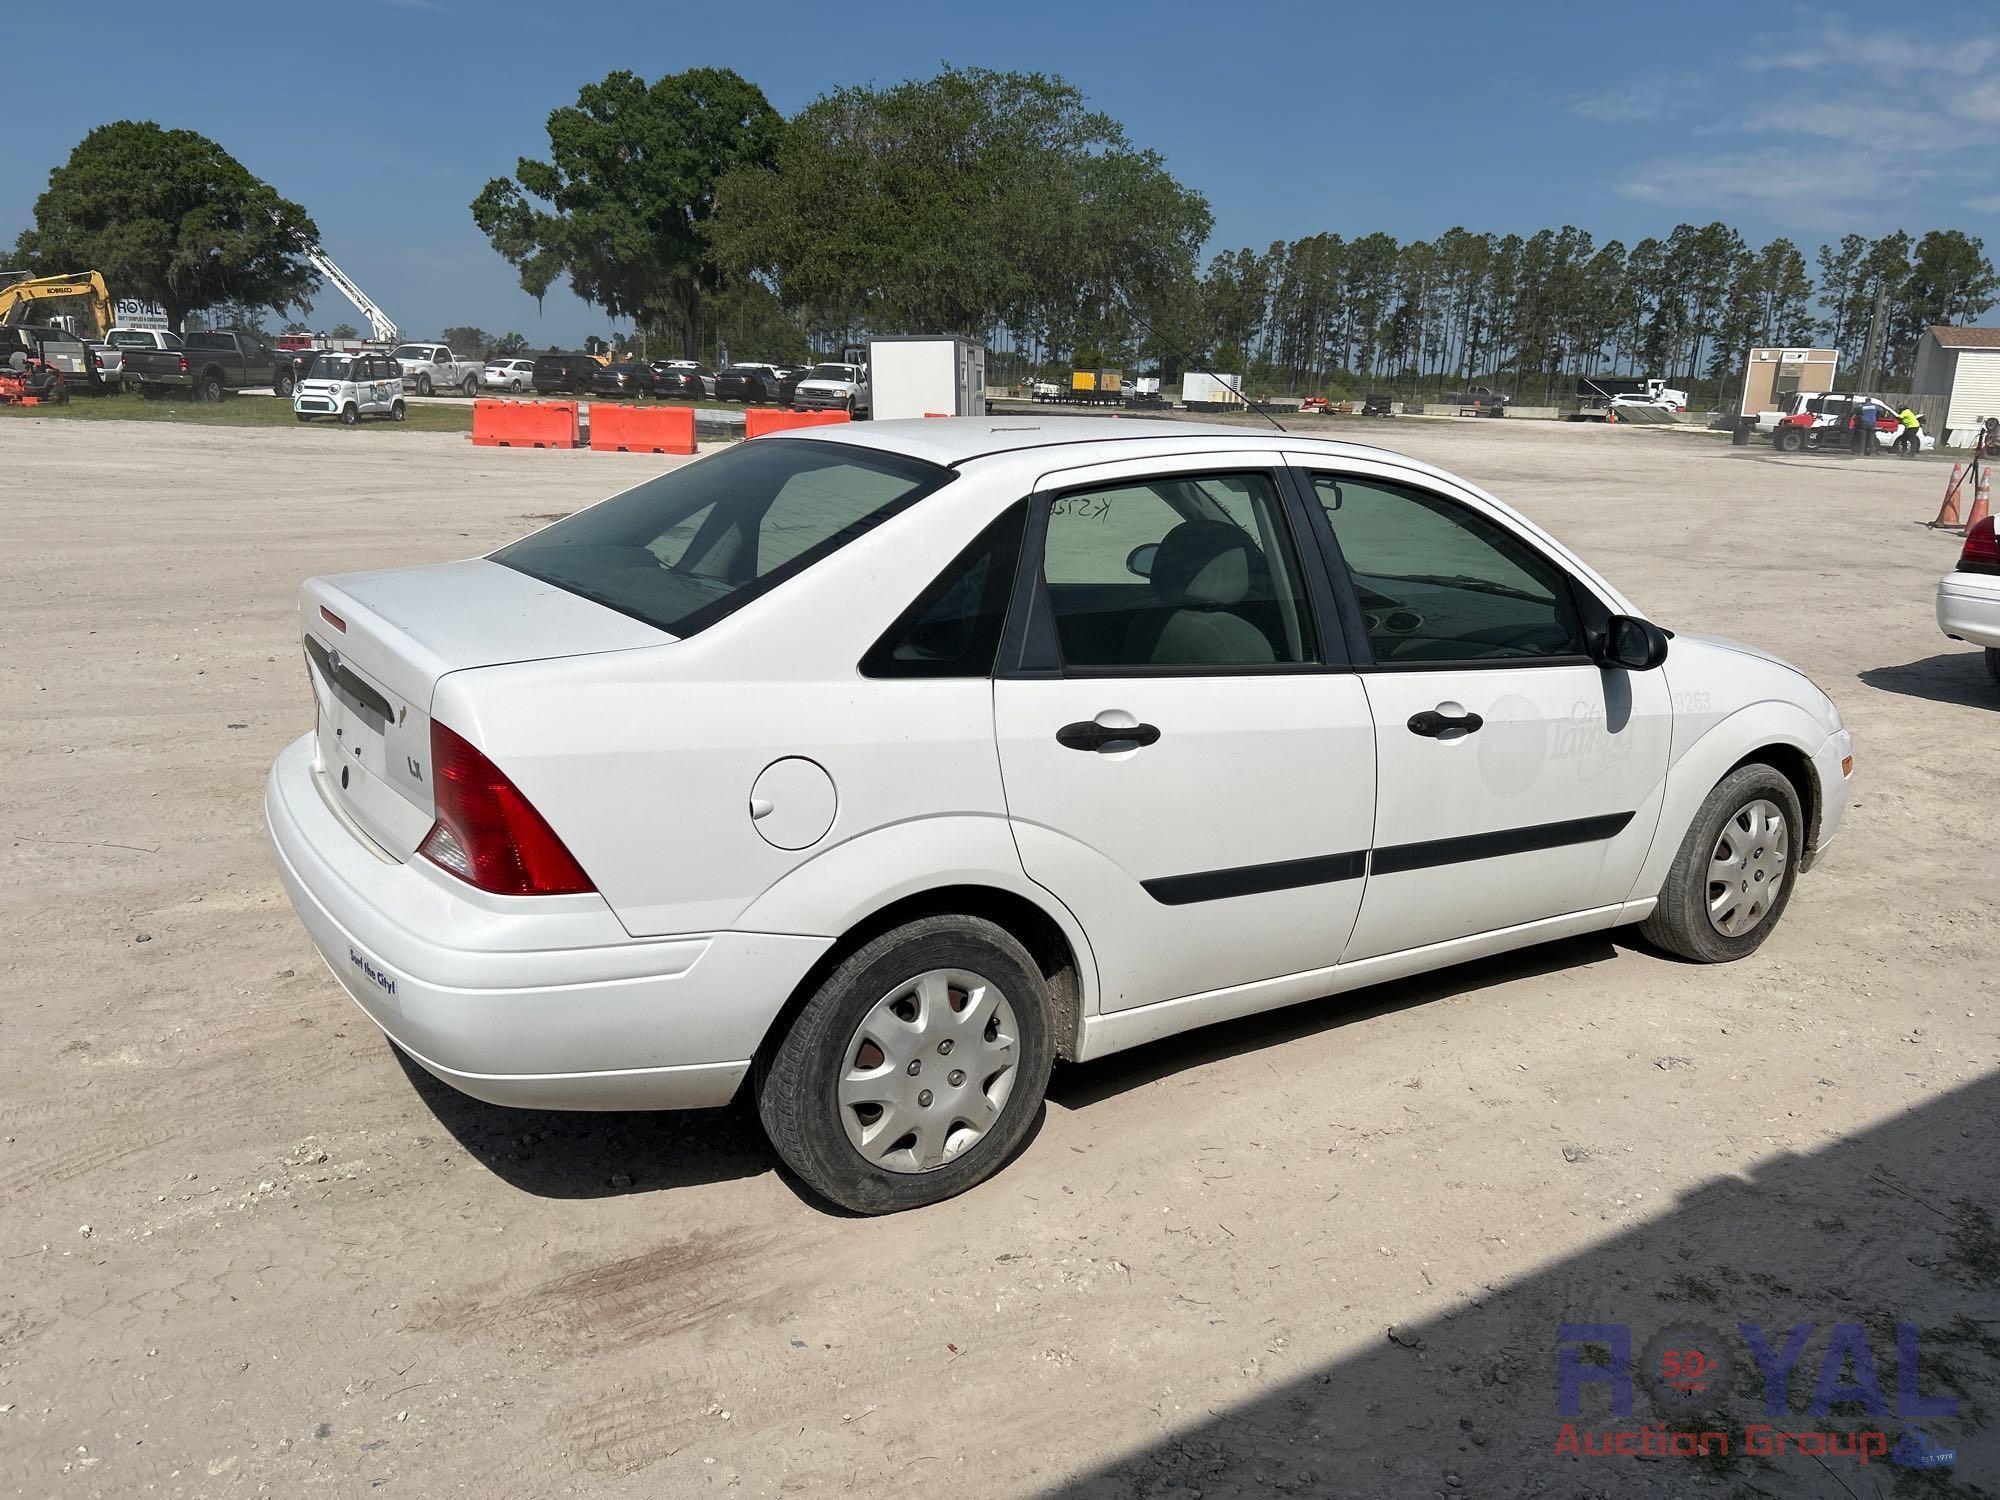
1206,562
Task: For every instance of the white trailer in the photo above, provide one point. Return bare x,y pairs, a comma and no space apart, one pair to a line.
1201,391
924,375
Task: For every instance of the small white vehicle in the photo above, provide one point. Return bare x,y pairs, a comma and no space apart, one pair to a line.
1968,597
833,387
1044,390
508,375
433,367
869,770
1662,402
348,387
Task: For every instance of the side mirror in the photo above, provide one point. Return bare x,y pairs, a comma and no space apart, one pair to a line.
1638,645
1140,559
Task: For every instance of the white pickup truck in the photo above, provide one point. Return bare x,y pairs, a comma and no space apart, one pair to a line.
433,367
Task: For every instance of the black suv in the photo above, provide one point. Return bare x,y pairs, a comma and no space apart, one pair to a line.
564,374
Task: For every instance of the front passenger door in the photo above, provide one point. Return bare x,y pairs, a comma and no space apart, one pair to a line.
1517,779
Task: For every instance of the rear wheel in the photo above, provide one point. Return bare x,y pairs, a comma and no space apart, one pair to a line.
210,389
915,1070
471,386
1993,663
397,412
1733,875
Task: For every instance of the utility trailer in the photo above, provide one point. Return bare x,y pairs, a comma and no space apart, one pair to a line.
926,375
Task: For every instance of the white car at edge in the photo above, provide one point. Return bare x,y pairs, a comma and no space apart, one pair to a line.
1968,597
874,769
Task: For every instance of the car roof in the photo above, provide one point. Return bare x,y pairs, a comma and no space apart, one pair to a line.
950,441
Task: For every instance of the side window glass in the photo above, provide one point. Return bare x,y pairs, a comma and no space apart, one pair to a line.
1192,573
953,628
1439,583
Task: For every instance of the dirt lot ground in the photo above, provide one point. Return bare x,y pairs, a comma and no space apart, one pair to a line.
243,1251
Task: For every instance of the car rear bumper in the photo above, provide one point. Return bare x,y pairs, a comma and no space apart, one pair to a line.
535,1002
1968,608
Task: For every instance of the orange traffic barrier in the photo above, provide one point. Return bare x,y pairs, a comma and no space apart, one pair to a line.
1980,509
1948,512
641,429
757,422
524,424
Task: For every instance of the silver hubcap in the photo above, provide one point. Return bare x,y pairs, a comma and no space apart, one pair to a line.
1747,868
928,1071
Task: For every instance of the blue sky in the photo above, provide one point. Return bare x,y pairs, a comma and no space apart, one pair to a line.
385,117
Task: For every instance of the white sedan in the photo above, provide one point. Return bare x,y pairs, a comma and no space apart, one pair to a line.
1968,597
870,770
508,375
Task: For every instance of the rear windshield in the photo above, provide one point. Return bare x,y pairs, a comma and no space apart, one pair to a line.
682,551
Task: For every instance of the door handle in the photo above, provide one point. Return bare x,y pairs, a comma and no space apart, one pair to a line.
1087,734
1433,724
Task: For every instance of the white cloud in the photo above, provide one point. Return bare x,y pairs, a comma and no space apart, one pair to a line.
1831,125
1769,180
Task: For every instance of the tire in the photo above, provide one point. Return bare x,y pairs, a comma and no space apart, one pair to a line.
349,415
398,412
423,385
1728,824
848,407
471,386
210,389
303,416
283,384
818,1136
1788,440
1993,663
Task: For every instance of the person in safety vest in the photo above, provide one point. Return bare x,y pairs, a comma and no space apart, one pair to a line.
1911,438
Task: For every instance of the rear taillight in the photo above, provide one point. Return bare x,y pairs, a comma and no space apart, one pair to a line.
1981,553
184,364
96,360
487,833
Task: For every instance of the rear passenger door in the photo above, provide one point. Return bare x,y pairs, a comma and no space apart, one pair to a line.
1189,765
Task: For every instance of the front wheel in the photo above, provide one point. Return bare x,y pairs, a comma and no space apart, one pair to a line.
1993,663
303,416
1733,875
1788,440
349,415
915,1070
423,385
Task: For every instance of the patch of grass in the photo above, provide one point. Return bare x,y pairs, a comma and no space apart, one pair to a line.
231,411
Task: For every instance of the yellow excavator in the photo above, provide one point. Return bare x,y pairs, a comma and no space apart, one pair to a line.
17,297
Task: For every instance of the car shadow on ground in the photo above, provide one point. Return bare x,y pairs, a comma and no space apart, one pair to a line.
1959,677
597,1154
1888,1226
1078,1087
604,1154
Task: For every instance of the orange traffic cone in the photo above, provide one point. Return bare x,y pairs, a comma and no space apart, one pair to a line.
1610,416
1948,512
1980,510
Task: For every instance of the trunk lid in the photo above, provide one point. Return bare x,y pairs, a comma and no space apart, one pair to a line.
377,644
